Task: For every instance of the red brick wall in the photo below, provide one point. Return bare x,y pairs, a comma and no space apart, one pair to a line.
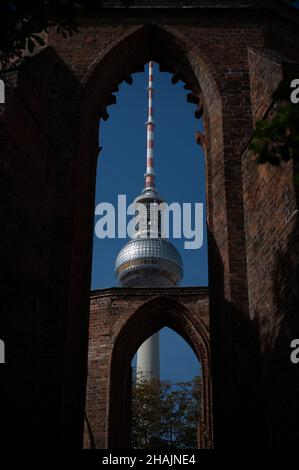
26,211
63,91
37,200
271,227
265,75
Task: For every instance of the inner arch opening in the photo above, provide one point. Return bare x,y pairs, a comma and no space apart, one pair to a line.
167,411
179,168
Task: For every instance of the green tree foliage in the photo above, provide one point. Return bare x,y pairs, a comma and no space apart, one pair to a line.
276,138
165,415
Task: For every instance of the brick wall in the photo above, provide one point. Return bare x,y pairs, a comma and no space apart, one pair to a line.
227,57
271,223
26,210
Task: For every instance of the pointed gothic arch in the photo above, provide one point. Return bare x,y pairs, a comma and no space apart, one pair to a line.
121,319
176,54
159,312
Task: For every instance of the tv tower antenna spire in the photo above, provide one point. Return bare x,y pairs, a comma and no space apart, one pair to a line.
150,185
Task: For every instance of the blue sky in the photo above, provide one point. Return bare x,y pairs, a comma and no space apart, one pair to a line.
179,165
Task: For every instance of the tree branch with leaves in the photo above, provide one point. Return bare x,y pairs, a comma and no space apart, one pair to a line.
165,415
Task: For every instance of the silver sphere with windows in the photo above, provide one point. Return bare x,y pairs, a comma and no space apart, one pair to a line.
149,259
149,262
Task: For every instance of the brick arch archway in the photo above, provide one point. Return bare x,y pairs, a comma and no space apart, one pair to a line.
175,53
127,54
152,316
120,320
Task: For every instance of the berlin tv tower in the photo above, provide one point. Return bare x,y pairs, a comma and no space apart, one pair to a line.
149,260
